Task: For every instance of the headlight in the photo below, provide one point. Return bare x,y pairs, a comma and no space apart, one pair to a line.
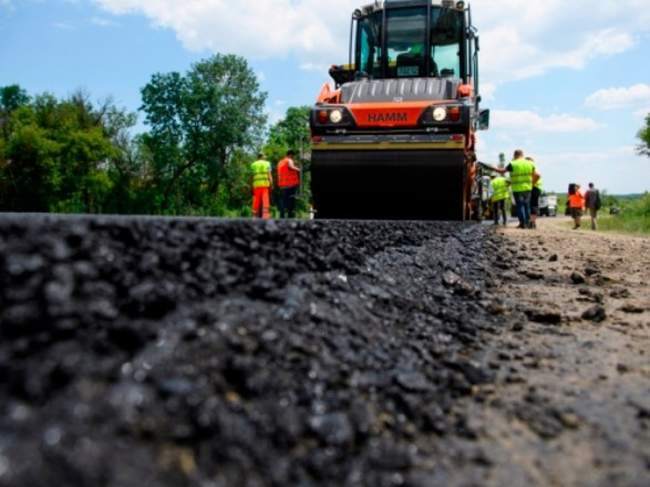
336,116
439,114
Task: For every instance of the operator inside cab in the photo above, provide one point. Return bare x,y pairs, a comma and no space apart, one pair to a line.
407,53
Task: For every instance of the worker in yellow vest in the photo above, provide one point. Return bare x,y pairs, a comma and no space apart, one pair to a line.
522,172
262,182
500,195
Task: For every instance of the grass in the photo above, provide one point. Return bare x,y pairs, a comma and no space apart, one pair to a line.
561,203
634,217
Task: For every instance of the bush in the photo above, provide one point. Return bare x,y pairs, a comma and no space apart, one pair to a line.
633,218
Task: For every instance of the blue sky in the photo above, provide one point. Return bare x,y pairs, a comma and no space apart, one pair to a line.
569,82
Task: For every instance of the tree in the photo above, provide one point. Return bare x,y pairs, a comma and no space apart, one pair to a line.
11,98
292,132
56,155
644,136
198,121
31,174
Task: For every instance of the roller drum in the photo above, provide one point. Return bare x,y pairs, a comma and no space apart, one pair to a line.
389,184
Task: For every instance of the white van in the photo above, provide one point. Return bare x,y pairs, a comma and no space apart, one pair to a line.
548,205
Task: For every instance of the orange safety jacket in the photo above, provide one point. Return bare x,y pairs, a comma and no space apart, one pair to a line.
287,177
576,200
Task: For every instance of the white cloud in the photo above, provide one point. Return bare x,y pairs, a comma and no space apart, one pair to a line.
509,55
643,112
559,158
319,68
274,116
261,28
527,121
487,91
617,98
523,39
520,38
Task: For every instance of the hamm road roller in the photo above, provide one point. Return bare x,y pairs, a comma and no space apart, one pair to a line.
395,137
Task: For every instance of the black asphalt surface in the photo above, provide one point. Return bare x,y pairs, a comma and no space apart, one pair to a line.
189,352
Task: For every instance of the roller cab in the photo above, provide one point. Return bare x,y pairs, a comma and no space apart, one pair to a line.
395,137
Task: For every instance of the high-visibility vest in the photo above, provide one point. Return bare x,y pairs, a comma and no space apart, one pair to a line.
522,175
499,189
261,171
576,200
287,177
540,185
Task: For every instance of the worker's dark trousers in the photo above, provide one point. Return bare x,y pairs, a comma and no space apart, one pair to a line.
499,208
523,207
288,202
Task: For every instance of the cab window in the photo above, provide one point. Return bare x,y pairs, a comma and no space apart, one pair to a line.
369,45
446,38
406,39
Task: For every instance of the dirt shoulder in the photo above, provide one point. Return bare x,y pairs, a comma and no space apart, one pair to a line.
572,402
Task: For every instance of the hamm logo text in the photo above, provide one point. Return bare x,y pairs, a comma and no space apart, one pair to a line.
387,117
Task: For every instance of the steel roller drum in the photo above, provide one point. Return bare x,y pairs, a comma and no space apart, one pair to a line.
388,184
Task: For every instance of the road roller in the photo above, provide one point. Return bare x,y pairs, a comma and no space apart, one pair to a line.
394,137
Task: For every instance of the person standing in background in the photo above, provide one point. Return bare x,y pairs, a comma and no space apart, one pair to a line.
535,195
289,183
522,173
593,204
500,194
576,205
262,183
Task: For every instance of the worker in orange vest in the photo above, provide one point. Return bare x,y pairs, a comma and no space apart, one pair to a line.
262,182
576,204
289,183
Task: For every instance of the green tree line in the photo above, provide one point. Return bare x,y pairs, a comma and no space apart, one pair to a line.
644,137
204,128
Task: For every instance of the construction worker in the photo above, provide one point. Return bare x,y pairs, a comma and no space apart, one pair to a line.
289,184
522,173
500,194
535,195
262,182
593,204
472,172
576,204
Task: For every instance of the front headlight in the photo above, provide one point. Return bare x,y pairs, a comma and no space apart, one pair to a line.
439,114
336,116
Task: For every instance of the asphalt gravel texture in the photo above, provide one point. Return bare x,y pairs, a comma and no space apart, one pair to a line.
193,352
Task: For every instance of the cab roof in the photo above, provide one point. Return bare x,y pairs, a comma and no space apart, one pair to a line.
379,5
